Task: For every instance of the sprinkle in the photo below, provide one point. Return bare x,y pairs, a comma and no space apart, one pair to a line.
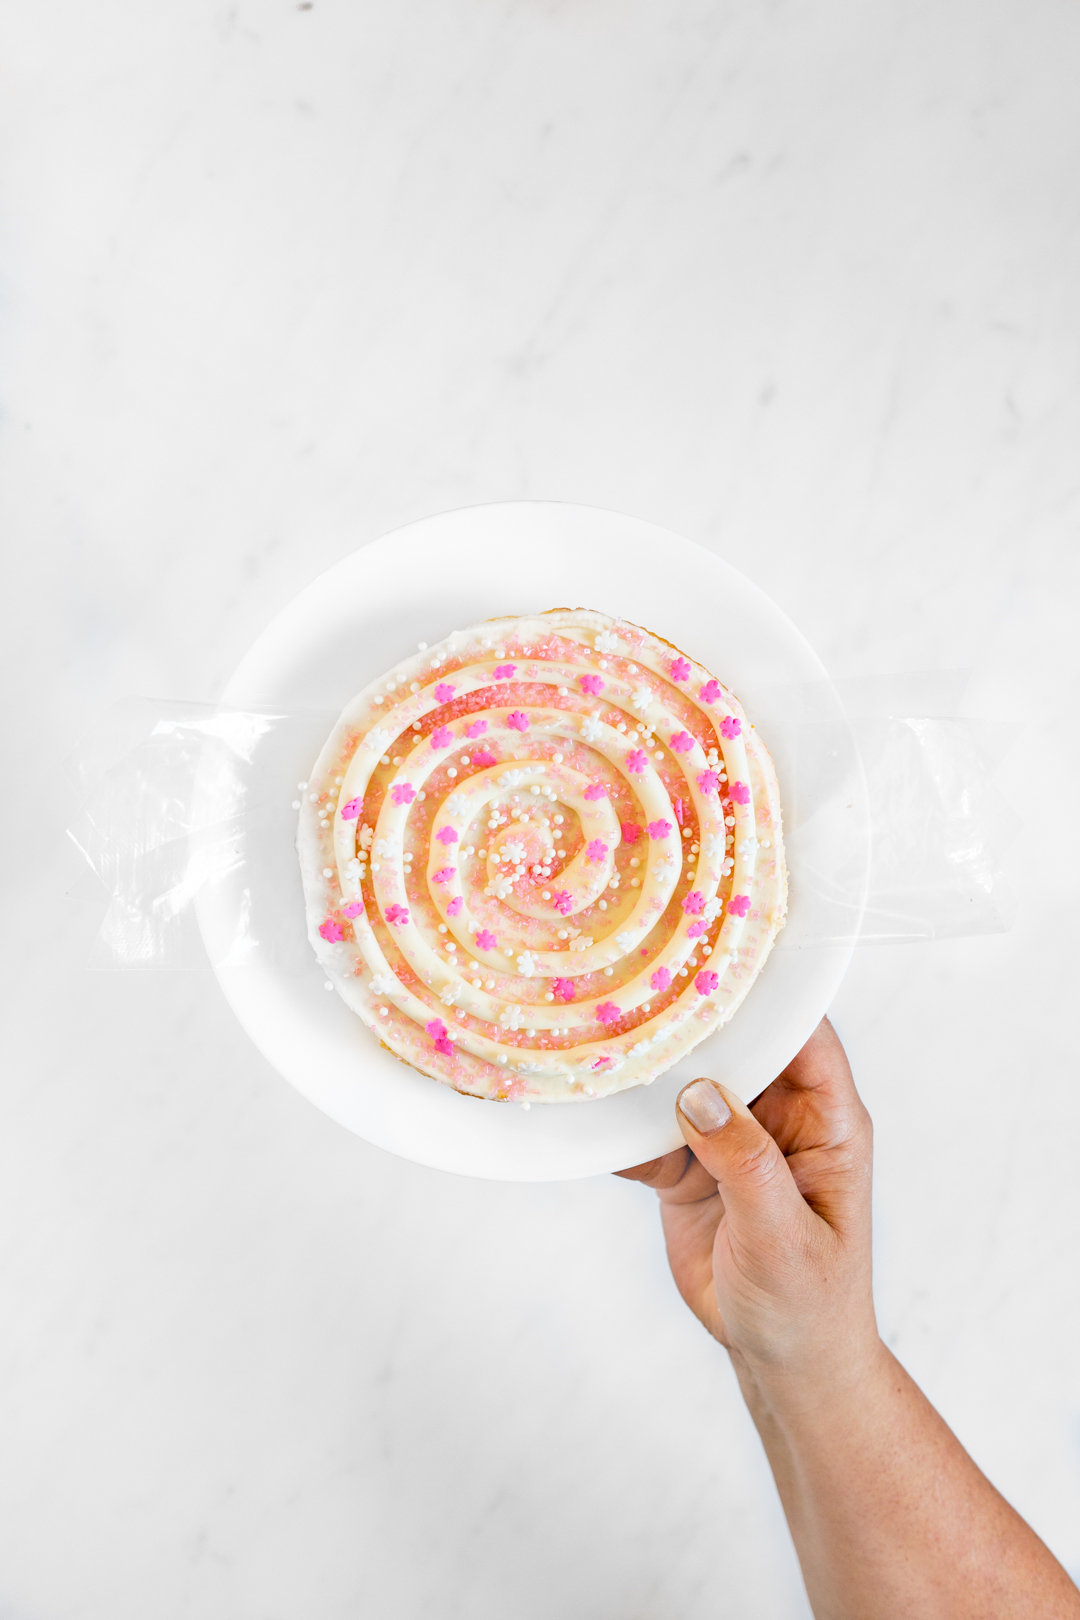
328,871
447,835
435,1027
636,760
730,726
595,850
607,642
661,979
594,791
353,909
740,793
483,758
608,1012
331,930
444,692
660,829
642,699
397,914
710,692
694,902
708,781
350,811
441,737
454,908
486,940
563,902
517,720
738,905
680,669
706,982
591,684
403,793
631,832
504,672
476,728
681,741
695,930
444,874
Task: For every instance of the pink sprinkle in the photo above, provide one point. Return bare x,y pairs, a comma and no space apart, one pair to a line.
710,692
594,791
486,940
681,741
695,930
353,909
608,1013
738,905
660,979
602,1062
563,988
592,684
595,851
694,902
483,757
660,829
454,908
563,901
442,737
503,672
350,811
443,1045
708,781
444,692
435,1027
706,982
397,914
444,874
631,832
331,930
680,811
447,835
476,729
403,793
740,793
636,760
517,720
680,669
730,727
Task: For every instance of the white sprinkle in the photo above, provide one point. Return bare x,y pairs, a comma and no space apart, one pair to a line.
302,786
328,871
452,771
609,972
379,699
557,759
328,985
415,687
313,797
296,804
421,646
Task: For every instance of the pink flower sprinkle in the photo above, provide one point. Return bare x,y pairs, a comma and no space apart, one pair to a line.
444,692
454,908
661,979
608,1013
740,793
680,669
595,791
681,741
331,930
595,850
563,901
350,811
602,1062
353,909
397,914
680,811
477,728
660,829
563,988
483,757
444,1045
517,720
706,982
403,793
695,930
710,692
694,902
444,874
592,684
446,835
738,905
486,940
708,781
631,832
730,727
504,672
442,737
435,1027
636,760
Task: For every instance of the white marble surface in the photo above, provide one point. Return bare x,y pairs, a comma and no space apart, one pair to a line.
796,279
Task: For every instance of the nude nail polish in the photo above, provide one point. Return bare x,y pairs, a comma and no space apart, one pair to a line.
704,1107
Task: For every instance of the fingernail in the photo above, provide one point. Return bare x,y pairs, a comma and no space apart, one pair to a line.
704,1107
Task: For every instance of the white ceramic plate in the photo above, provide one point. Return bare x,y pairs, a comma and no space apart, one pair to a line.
418,584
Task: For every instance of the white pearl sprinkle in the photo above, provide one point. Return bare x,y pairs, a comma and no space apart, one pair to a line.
328,871
328,985
296,804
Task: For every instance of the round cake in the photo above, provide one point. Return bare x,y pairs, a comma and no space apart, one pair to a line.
543,859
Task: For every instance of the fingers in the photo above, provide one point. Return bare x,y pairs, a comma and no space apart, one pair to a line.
813,1102
762,1202
677,1177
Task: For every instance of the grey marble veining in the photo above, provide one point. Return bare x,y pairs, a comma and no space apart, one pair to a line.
796,280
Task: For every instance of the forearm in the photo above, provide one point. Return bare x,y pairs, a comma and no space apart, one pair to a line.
888,1513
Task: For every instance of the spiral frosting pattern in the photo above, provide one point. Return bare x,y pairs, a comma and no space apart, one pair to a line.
543,859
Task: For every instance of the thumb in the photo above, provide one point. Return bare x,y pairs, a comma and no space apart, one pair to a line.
757,1187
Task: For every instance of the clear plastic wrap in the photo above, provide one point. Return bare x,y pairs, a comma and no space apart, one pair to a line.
188,818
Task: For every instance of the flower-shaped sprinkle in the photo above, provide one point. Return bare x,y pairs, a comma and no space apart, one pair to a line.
513,852
591,728
625,941
331,930
504,672
563,988
594,791
511,1018
441,737
444,692
706,982
366,835
740,793
454,908
608,1012
738,905
710,692
378,739
660,829
447,835
444,874
403,793
563,902
631,832
642,698
595,850
708,781
661,979
694,902
636,761
352,809
398,915
383,984
486,940
353,909
713,908
449,994
483,758
517,720
526,964
435,1027
680,669
592,684
476,729
606,642
695,930
681,741
730,726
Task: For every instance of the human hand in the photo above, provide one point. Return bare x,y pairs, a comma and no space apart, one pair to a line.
766,1214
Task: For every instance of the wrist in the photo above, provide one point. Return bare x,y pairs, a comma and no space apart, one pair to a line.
817,1382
